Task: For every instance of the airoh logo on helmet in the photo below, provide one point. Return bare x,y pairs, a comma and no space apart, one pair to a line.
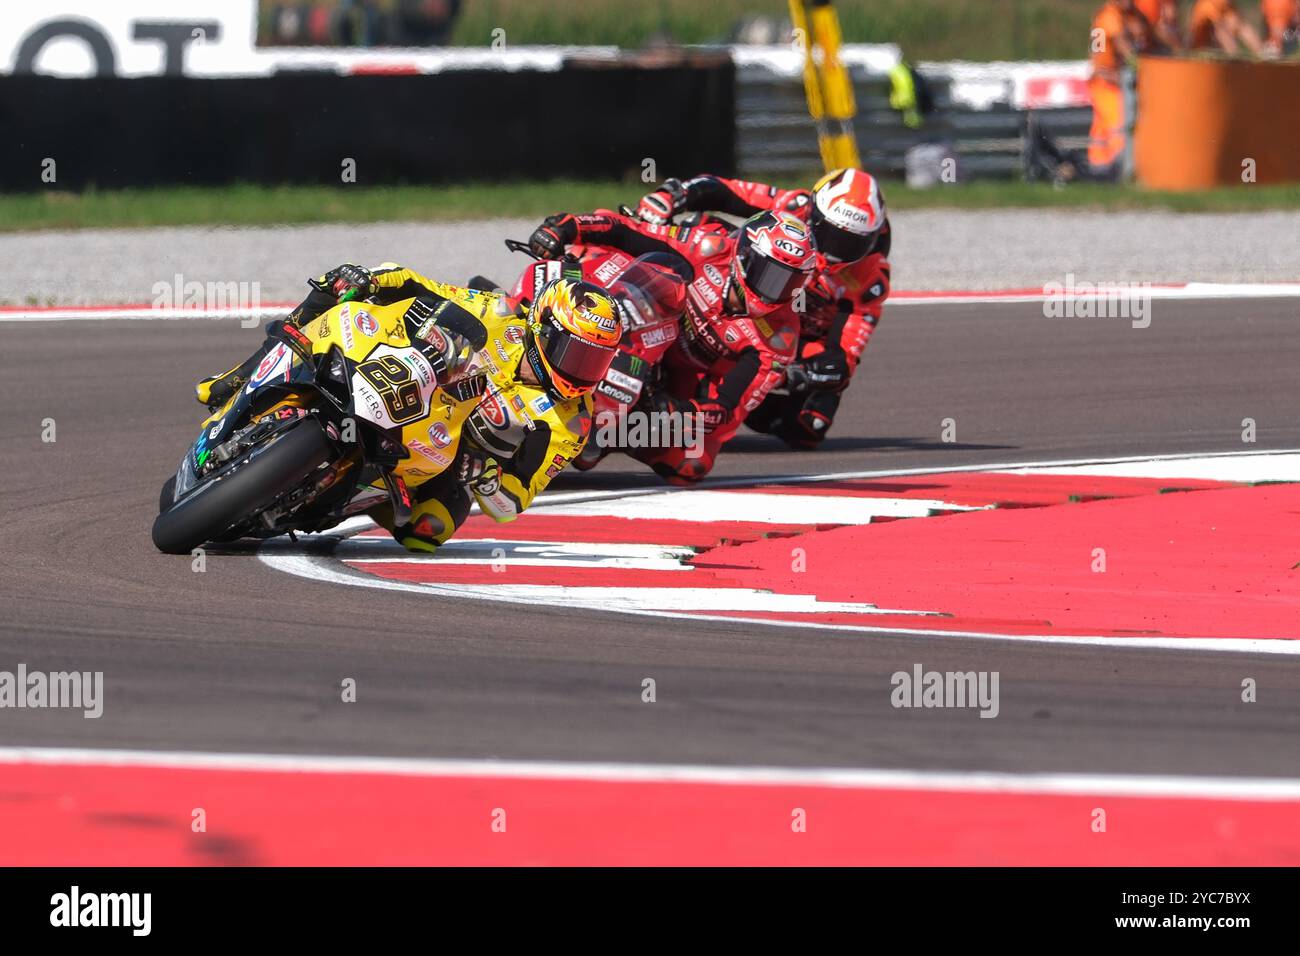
848,214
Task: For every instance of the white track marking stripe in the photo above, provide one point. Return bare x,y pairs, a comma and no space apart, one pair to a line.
272,553
321,571
551,498
1280,467
711,506
1131,785
634,600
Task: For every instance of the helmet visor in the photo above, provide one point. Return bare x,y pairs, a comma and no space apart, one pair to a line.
839,245
770,281
580,363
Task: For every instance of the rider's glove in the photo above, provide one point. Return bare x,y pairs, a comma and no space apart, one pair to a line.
481,473
825,372
346,282
549,240
794,199
659,207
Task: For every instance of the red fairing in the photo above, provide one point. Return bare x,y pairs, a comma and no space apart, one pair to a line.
712,343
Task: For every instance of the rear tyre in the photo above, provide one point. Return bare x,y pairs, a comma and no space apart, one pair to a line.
255,484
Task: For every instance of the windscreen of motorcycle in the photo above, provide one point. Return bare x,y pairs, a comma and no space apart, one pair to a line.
648,293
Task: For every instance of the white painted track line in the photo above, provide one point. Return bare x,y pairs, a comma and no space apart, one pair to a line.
1133,785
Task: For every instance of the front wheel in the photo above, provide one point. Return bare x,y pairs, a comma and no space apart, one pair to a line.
219,504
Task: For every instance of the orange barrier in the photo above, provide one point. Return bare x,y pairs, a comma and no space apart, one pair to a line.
1199,121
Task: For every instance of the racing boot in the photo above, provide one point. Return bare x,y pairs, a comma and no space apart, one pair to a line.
215,390
810,426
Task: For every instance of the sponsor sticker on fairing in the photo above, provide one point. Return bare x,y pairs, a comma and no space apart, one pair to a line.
651,338
615,393
365,323
714,274
494,410
345,328
429,332
274,364
514,334
706,291
623,380
607,270
440,434
542,404
424,451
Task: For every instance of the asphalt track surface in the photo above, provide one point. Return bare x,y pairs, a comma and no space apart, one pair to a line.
240,658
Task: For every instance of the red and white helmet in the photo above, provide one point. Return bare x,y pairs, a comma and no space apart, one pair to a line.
847,215
774,257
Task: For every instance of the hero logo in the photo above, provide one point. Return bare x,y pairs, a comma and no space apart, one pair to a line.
439,434
494,410
365,323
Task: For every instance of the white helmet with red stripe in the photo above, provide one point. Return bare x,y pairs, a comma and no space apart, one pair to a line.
774,257
847,215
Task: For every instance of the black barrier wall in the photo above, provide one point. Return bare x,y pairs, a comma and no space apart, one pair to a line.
586,122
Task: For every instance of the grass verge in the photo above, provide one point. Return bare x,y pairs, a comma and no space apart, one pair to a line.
255,205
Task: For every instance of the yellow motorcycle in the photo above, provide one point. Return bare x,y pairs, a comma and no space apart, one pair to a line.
336,420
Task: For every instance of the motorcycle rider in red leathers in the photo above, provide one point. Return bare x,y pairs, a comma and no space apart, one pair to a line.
844,300
738,332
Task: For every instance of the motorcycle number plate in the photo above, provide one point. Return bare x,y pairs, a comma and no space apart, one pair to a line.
393,387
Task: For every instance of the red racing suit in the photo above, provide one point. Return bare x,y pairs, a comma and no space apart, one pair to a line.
721,362
843,304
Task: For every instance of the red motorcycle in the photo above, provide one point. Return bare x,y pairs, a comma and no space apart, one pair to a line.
651,294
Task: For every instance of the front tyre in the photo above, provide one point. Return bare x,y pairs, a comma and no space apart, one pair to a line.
217,505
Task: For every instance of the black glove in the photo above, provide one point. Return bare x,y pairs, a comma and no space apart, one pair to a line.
480,472
346,282
827,372
549,240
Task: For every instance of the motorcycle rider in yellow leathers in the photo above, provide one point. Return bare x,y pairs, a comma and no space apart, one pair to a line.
529,376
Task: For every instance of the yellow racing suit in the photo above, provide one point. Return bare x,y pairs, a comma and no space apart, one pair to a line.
517,437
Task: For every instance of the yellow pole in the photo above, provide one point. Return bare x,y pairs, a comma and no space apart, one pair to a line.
827,84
